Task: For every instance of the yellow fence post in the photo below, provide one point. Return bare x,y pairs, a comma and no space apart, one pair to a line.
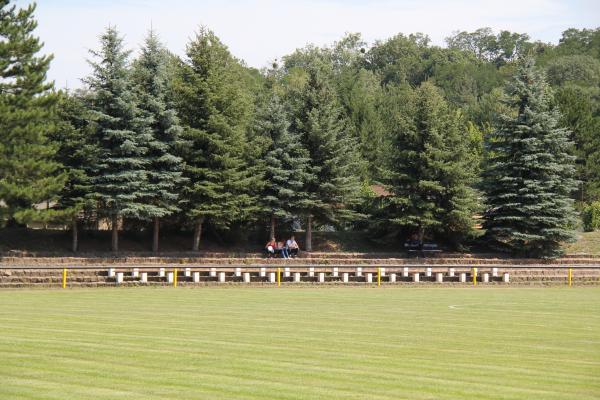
378,276
175,277
570,276
278,276
64,280
474,276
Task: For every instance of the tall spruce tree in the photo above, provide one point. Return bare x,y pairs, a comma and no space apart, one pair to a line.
29,174
214,106
529,174
76,153
120,179
165,167
287,166
431,168
334,157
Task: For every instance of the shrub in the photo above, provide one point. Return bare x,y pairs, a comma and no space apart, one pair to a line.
591,217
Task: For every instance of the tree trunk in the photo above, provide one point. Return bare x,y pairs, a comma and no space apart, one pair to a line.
198,234
421,235
308,244
272,234
156,232
115,233
74,231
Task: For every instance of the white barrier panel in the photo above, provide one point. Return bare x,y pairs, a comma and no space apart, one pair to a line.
311,272
135,272
263,272
286,272
144,277
170,277
247,277
495,272
345,277
505,278
238,272
296,277
428,272
321,277
334,272
272,277
369,277
405,272
221,277
486,277
439,277
358,271
382,271
416,277
119,277
111,272
213,272
188,272
463,277
392,278
451,272
196,277
161,272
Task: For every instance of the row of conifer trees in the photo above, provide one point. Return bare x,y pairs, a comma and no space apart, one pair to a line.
204,139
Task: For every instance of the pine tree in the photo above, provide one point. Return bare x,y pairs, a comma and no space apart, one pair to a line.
529,176
119,180
76,153
431,168
29,175
165,167
361,95
287,165
214,107
334,156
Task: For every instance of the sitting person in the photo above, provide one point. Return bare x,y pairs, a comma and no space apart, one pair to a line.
292,246
270,247
281,248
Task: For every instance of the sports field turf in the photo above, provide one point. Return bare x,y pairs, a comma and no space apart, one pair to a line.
300,343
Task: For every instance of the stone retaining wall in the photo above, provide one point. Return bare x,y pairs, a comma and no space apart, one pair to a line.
264,275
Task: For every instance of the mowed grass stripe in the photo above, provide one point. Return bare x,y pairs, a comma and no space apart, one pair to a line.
304,343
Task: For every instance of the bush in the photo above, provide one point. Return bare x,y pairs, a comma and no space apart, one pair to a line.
591,217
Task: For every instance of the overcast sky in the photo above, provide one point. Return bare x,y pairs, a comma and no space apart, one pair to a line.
259,31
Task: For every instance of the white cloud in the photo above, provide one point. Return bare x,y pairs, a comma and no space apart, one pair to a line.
261,30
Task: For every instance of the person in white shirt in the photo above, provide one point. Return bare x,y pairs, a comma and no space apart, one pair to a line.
292,246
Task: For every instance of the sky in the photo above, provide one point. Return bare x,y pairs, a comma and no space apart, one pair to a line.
260,31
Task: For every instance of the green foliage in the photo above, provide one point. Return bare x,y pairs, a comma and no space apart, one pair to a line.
29,173
207,138
121,134
499,49
529,176
335,161
591,217
580,41
402,59
76,152
214,106
578,115
432,168
164,170
361,97
287,163
576,69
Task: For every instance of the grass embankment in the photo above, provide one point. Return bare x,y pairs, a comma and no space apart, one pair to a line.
308,343
587,243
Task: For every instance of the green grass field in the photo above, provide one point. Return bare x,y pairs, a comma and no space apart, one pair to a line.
300,343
